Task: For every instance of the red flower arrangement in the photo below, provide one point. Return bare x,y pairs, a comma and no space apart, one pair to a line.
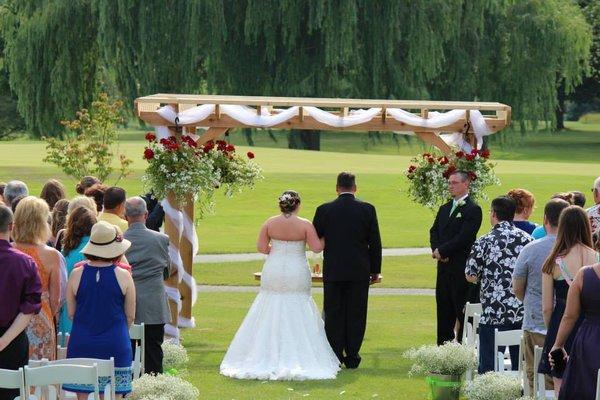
428,175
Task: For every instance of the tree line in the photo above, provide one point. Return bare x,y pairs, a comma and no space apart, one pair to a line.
532,54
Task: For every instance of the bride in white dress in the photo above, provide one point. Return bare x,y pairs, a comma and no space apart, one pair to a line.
282,336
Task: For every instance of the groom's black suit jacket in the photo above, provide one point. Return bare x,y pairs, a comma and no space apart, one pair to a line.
454,235
352,240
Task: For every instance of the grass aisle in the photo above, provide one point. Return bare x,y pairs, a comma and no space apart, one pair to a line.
395,323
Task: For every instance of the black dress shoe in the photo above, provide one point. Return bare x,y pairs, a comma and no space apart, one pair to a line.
352,362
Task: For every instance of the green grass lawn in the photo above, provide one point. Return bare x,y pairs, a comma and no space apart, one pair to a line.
398,272
380,181
395,324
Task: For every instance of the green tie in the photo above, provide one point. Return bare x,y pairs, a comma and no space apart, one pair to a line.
454,202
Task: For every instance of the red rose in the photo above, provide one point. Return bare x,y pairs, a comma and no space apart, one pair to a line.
230,148
451,169
469,157
250,155
443,160
472,175
460,154
163,142
430,160
148,154
425,155
151,137
411,169
474,152
484,153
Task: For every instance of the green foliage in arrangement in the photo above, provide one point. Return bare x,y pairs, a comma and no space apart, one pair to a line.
90,143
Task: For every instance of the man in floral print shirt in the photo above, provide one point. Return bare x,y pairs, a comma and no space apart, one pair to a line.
492,260
594,212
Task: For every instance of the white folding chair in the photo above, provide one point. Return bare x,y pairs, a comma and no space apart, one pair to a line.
507,338
472,339
61,352
11,379
470,310
136,332
539,380
50,375
598,386
106,368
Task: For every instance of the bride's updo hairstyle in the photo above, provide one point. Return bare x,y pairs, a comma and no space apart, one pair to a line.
289,201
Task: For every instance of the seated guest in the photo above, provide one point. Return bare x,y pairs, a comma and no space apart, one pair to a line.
527,285
85,183
156,214
58,219
114,208
578,198
594,211
52,192
525,203
572,250
76,237
101,302
13,190
580,376
30,233
96,193
2,187
20,299
492,262
539,232
83,201
150,262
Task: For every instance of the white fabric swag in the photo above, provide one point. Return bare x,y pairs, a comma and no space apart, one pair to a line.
266,119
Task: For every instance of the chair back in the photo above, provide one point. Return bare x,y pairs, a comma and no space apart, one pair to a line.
506,338
11,379
49,375
598,386
106,368
472,339
470,310
136,332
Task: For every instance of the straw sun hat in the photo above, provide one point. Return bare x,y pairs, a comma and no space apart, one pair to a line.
106,241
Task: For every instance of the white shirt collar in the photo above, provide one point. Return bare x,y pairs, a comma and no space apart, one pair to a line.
462,198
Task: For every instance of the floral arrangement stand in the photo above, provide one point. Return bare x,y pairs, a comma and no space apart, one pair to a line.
432,122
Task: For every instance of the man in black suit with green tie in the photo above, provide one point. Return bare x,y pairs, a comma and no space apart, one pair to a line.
351,261
452,235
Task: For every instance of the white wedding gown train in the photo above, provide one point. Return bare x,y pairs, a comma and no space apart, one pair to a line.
282,337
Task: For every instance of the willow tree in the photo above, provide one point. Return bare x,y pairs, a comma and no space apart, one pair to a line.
150,46
52,54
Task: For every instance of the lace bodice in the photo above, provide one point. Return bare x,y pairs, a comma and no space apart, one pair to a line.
286,268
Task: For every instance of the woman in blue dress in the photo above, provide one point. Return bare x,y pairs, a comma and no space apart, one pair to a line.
101,300
75,237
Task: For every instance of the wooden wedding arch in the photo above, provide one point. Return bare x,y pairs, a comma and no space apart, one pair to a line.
496,115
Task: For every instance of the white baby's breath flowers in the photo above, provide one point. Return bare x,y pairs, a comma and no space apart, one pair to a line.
448,359
174,355
493,386
161,387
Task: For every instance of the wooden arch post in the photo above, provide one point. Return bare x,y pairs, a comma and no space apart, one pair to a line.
497,116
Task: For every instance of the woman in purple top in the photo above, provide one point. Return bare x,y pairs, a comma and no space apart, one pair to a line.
20,299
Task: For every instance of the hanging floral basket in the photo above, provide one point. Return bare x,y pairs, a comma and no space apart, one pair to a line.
428,176
183,168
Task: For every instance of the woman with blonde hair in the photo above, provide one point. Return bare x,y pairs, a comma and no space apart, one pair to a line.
572,251
30,233
525,203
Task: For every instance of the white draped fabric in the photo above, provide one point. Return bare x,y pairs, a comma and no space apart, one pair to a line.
266,119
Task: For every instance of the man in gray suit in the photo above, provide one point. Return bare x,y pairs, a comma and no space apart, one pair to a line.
150,264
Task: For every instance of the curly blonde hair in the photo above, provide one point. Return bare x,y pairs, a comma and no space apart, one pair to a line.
31,221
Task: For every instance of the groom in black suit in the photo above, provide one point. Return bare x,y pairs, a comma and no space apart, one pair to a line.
351,262
452,236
